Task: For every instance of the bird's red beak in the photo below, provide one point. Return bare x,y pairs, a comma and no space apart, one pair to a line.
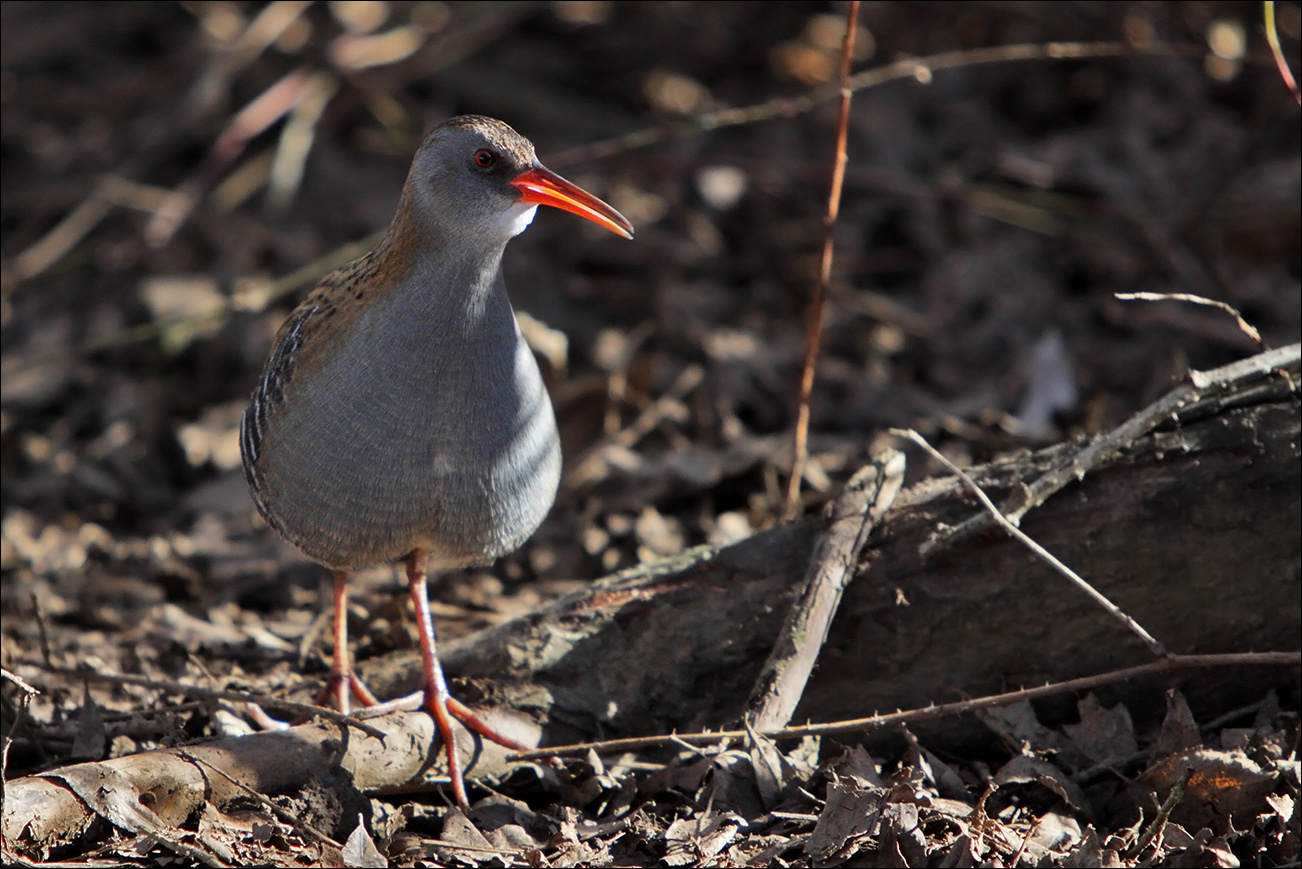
544,187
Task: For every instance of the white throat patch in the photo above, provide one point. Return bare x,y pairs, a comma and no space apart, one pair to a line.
518,218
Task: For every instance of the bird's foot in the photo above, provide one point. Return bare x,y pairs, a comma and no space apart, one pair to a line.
339,688
342,685
444,708
343,682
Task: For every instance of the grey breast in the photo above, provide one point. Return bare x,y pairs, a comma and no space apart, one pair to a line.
428,427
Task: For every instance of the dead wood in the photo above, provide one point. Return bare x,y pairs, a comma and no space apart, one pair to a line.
155,792
1192,530
849,519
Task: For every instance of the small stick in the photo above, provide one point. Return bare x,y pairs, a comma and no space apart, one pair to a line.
296,140
922,69
849,520
169,687
273,104
1244,325
24,700
1158,825
1026,840
1272,37
1153,645
814,325
1163,666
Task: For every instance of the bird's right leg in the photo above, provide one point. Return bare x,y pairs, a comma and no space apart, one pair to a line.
343,682
437,700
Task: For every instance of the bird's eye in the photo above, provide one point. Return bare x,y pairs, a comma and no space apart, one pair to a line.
485,158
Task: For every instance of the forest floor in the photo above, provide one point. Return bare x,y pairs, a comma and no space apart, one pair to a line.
152,245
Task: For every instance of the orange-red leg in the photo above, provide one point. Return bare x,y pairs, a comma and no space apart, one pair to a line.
437,699
342,682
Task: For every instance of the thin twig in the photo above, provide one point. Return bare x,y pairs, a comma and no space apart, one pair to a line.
1158,825
1153,645
169,687
296,140
27,692
814,325
1026,840
691,377
1244,326
112,191
255,298
1163,666
919,68
1272,37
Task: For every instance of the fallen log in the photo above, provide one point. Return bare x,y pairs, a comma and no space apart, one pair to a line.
1192,529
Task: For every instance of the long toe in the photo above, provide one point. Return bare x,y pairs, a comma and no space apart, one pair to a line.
466,716
437,705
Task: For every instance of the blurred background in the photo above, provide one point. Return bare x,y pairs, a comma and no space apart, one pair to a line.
176,175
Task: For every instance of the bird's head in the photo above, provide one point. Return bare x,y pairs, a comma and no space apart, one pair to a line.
476,178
